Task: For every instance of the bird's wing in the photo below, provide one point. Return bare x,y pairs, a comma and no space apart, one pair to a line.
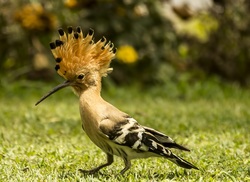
129,133
125,132
165,140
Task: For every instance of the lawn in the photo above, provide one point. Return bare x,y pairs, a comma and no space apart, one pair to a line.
47,143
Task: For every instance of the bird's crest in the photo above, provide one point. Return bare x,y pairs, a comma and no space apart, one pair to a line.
74,52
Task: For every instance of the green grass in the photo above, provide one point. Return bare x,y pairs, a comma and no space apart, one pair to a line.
46,143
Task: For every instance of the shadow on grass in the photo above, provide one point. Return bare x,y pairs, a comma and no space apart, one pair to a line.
129,174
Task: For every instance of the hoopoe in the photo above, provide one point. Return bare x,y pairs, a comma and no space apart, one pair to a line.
83,63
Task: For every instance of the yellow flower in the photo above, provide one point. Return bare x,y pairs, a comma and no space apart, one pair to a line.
127,54
34,17
71,3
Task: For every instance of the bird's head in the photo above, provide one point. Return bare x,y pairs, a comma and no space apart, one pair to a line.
79,60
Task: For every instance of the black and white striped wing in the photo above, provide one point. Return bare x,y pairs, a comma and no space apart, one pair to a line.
143,139
130,133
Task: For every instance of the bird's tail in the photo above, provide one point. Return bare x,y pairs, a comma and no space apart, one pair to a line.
158,146
181,162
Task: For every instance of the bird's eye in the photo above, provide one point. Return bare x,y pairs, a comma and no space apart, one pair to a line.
80,77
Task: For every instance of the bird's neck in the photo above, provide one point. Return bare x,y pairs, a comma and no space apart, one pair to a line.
92,94
92,108
94,89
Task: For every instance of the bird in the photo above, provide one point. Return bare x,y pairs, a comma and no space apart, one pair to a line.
82,62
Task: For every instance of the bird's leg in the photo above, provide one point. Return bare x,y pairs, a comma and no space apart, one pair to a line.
110,160
127,166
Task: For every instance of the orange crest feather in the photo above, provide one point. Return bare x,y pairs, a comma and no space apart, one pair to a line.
74,52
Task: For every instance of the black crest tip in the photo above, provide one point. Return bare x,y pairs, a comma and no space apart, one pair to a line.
76,35
58,60
103,39
57,67
114,50
91,31
52,45
61,32
59,43
70,30
78,29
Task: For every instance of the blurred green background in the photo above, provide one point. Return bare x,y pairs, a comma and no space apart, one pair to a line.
158,41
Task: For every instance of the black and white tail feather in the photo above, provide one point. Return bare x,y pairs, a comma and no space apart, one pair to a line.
135,141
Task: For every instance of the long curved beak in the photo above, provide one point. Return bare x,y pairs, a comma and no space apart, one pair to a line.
54,90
